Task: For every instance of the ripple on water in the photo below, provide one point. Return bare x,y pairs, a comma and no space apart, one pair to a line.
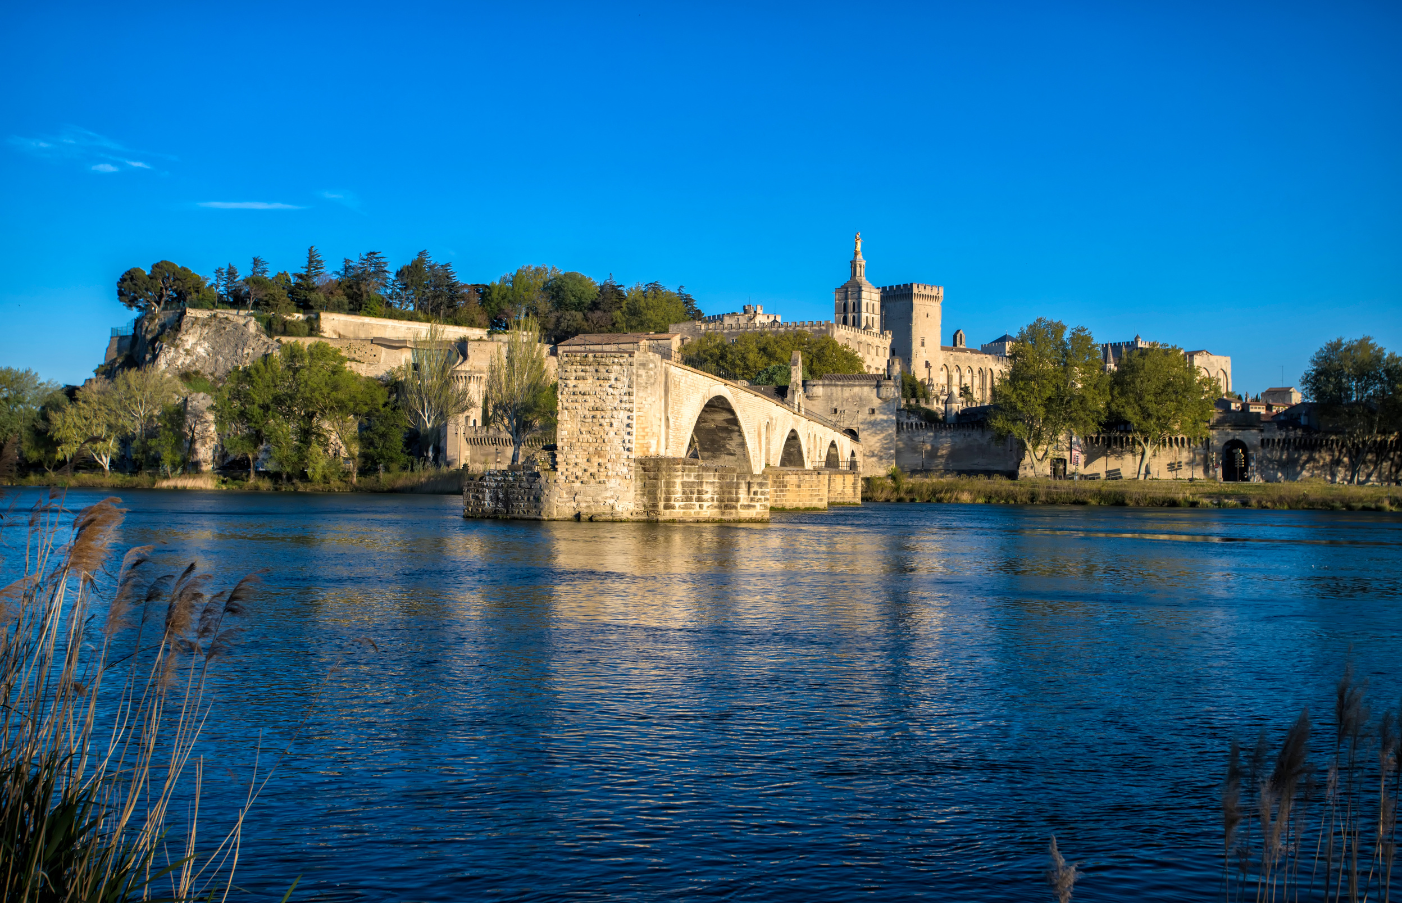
902,702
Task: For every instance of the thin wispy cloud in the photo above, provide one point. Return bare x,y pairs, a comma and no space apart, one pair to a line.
247,205
97,152
341,196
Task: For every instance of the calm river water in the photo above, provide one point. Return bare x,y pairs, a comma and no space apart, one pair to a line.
889,702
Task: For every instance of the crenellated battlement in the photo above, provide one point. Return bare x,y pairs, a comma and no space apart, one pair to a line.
793,326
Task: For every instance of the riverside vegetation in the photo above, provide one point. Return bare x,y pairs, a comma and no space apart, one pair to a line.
898,487
102,702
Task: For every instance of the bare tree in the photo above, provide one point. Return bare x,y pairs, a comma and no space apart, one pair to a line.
428,388
519,397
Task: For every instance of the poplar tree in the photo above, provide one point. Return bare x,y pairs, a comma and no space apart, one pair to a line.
429,391
519,396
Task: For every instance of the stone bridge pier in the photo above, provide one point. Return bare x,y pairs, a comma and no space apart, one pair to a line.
641,436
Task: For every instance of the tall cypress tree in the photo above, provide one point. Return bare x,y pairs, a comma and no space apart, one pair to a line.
315,269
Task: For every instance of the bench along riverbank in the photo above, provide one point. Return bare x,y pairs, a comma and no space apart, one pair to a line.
1317,496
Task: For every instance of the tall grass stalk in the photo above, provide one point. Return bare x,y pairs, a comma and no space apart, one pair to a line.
1285,850
102,702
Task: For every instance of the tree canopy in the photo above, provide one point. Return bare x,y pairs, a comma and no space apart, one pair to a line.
168,285
751,357
22,394
303,404
565,304
1055,386
1156,393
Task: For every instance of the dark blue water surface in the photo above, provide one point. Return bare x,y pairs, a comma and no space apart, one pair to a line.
887,702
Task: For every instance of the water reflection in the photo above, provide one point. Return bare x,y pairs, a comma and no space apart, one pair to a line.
901,701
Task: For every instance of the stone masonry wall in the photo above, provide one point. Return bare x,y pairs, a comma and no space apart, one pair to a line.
515,494
844,487
677,489
596,430
796,488
953,448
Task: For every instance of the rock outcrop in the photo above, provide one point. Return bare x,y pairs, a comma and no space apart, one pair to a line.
211,342
200,426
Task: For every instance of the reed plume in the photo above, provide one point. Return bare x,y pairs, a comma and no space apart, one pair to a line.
99,720
1345,850
1060,876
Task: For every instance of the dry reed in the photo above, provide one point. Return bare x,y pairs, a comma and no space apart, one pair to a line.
1282,849
100,713
1060,876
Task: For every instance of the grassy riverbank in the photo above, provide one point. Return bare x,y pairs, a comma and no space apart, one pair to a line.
440,481
1134,493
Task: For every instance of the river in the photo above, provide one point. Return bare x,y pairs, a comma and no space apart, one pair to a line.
886,702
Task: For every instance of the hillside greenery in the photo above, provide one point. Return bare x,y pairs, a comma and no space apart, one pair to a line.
564,304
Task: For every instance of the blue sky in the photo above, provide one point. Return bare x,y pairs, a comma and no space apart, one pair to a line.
1215,176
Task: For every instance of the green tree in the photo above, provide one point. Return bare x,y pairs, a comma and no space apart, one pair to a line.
519,294
430,393
270,295
168,285
1157,394
230,286
1055,386
382,440
649,308
306,287
38,445
519,396
428,287
169,447
750,355
22,395
137,399
364,281
92,424
913,389
246,408
1356,387
347,401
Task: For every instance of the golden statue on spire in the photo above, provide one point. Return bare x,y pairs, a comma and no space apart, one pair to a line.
859,244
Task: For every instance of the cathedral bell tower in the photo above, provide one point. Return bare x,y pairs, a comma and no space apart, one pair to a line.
857,302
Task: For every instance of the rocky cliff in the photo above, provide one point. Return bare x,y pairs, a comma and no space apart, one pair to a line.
211,342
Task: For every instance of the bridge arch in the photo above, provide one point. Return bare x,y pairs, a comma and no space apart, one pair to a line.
833,460
792,455
718,436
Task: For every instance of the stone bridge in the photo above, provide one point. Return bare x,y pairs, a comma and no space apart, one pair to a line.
642,436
